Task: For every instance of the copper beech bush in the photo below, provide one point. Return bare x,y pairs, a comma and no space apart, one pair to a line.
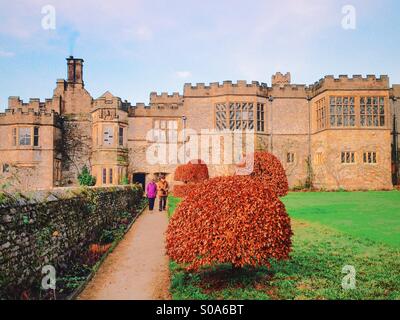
268,169
194,171
181,191
236,220
191,173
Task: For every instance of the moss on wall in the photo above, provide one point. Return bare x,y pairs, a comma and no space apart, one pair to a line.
52,227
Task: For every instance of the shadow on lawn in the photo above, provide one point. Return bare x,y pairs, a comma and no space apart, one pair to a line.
222,282
224,277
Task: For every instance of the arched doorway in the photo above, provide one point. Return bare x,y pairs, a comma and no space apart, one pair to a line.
140,178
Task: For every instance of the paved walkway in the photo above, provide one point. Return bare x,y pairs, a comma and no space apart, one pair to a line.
138,267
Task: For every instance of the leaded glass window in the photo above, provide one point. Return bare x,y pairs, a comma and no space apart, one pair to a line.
220,114
372,111
342,112
260,117
24,136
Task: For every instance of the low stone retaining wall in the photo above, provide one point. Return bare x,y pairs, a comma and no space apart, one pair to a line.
51,227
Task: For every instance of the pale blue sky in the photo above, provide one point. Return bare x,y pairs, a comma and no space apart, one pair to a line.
134,47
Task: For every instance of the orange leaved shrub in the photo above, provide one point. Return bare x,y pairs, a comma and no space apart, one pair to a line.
235,220
181,191
194,171
267,168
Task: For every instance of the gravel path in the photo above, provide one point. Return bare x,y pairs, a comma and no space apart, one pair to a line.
138,267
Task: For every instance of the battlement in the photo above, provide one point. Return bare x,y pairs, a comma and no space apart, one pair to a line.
281,79
141,105
165,98
139,108
34,103
29,116
356,82
226,88
289,91
175,95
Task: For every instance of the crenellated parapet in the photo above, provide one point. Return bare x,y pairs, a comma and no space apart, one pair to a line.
30,116
356,82
165,101
281,79
110,108
297,91
241,87
164,97
15,103
140,105
138,108
156,110
107,100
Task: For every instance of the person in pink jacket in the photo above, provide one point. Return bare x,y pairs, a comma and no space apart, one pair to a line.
151,192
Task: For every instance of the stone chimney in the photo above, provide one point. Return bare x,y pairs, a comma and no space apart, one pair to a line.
75,71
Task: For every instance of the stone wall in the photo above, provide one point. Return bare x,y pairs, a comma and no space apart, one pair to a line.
51,227
330,173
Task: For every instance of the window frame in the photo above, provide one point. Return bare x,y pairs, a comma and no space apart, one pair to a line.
57,170
36,136
221,120
290,157
23,139
104,176
110,175
348,157
5,167
368,114
121,136
337,111
260,117
322,114
110,136
235,115
370,157
14,136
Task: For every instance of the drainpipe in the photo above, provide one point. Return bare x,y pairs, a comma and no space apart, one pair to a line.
184,118
395,156
309,127
271,126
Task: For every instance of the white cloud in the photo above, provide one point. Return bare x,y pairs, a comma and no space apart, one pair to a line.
6,54
142,33
183,74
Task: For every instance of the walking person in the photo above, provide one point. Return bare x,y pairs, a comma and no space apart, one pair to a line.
162,190
151,192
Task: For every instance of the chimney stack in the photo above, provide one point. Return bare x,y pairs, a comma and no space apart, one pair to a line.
75,71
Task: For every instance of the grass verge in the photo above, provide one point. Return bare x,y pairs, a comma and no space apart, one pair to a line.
321,248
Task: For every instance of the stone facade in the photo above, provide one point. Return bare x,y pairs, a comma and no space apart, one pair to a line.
336,133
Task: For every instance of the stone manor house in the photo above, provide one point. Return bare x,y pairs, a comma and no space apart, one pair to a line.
337,133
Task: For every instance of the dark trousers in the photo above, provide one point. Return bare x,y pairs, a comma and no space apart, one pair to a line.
163,203
151,203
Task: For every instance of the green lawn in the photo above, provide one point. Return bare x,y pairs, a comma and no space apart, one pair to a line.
331,230
172,203
368,215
